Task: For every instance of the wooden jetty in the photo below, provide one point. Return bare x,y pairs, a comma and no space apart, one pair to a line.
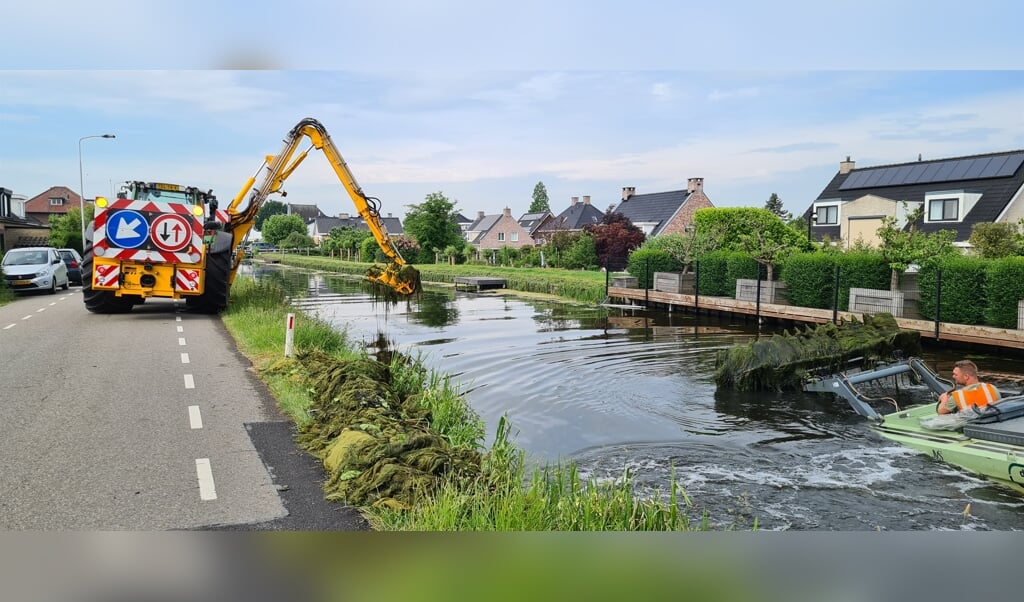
1006,338
477,283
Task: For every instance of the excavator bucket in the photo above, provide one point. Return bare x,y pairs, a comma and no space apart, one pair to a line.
404,279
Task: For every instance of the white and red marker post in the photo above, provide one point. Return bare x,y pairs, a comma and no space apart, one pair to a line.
289,334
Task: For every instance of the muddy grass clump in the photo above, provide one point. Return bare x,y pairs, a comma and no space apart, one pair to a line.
377,446
782,362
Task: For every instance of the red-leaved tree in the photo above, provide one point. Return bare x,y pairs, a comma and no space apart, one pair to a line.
614,237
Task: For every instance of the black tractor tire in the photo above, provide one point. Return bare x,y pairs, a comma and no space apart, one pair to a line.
99,302
216,287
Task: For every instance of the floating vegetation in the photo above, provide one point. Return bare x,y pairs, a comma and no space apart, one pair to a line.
783,361
377,445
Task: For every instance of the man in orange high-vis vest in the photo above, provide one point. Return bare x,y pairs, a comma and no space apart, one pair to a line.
971,391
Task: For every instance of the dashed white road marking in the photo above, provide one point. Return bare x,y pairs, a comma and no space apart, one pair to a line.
207,490
27,317
181,341
184,358
190,383
177,318
10,326
181,329
195,419
55,303
40,309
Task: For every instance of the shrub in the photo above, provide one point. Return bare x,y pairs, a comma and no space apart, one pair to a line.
1004,288
963,290
643,262
810,279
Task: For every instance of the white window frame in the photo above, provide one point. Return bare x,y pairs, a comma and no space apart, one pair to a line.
822,212
515,237
56,202
947,201
501,237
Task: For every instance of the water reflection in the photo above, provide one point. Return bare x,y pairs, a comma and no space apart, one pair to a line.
617,390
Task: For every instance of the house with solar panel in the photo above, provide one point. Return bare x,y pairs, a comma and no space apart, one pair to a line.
956,194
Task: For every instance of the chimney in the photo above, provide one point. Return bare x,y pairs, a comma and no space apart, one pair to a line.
628,191
847,166
586,199
695,185
573,201
343,216
507,212
480,215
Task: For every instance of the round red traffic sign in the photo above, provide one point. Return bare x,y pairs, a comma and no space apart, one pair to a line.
170,232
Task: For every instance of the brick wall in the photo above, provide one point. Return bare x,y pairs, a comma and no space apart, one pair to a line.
684,217
507,226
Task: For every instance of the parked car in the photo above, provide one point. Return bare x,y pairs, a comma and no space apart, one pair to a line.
73,261
35,268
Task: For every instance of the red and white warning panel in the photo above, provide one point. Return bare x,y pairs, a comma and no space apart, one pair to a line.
186,280
108,275
145,231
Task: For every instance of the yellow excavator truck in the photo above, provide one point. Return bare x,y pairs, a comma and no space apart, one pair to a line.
167,240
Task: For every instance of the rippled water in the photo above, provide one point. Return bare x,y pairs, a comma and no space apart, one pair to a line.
617,392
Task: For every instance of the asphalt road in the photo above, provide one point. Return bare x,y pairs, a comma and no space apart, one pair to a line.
149,420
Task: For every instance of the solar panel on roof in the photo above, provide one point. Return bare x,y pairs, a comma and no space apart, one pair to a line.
1013,163
938,171
975,169
994,166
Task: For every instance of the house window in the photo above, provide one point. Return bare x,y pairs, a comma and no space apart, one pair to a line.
501,237
943,210
56,201
515,237
827,215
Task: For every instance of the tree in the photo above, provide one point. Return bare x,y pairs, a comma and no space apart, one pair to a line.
994,240
684,248
581,254
614,237
268,209
774,204
66,230
540,202
296,240
902,247
278,227
433,224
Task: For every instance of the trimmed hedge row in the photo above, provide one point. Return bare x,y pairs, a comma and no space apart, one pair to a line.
811,277
974,290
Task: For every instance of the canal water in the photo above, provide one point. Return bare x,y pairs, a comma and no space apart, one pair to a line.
617,392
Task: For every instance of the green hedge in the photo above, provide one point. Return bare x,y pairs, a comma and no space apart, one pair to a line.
1004,289
644,262
963,299
860,270
810,279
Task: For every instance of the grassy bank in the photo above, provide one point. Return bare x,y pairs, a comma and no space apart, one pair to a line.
578,285
400,443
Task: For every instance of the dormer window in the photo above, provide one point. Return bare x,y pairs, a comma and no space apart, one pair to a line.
56,202
944,210
827,215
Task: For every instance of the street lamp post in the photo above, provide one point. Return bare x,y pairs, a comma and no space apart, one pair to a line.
81,181
810,220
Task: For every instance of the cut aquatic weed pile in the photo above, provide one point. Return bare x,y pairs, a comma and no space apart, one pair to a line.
376,442
782,362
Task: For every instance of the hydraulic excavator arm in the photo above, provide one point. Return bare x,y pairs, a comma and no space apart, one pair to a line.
398,275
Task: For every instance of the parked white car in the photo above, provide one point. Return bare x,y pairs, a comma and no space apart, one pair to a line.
35,269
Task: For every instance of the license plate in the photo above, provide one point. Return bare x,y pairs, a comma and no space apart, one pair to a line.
22,282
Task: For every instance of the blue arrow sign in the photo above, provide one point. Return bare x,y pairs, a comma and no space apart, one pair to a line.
127,229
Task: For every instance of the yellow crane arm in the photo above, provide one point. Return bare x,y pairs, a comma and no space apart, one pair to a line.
276,168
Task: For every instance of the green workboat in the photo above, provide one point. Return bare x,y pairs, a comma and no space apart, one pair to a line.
990,442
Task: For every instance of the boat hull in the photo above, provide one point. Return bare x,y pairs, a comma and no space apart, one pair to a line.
1002,462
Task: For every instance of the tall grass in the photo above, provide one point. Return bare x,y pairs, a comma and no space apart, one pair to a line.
553,498
578,285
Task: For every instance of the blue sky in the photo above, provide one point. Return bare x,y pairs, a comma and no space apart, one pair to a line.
480,103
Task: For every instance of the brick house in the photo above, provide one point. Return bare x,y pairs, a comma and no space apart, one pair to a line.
577,215
664,212
496,231
54,201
